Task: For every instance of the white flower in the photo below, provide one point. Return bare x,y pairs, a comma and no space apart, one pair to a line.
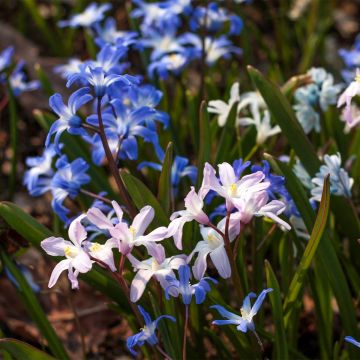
222,108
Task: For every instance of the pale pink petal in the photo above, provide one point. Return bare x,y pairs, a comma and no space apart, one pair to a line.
54,246
158,234
58,269
77,232
194,205
118,210
251,180
72,275
200,264
105,255
97,218
155,250
221,262
139,283
210,181
82,262
143,219
120,231
227,174
175,229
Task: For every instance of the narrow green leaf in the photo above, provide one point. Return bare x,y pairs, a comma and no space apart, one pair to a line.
227,135
34,309
46,85
298,280
26,226
23,351
142,196
280,349
165,189
284,116
326,254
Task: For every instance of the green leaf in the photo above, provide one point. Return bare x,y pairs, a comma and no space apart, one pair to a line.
34,308
280,349
165,190
284,116
227,135
46,85
26,226
142,196
23,351
298,280
326,254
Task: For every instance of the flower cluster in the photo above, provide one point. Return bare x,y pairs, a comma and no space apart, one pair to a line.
250,104
172,51
318,95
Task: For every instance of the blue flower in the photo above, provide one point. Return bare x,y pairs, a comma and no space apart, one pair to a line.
351,340
27,275
68,119
6,57
122,126
340,182
215,48
179,169
72,67
90,16
321,93
147,333
39,166
173,63
351,59
100,80
18,83
67,181
108,59
215,18
162,16
245,321
185,289
108,34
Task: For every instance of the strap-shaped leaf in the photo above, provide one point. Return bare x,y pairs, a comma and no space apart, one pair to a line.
142,196
281,348
23,351
205,141
34,308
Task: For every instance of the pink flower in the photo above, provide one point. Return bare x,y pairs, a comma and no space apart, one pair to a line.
256,204
345,98
194,204
160,268
76,257
213,245
103,222
229,186
133,235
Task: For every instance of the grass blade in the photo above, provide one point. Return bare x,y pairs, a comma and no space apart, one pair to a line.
34,309
165,190
23,351
281,349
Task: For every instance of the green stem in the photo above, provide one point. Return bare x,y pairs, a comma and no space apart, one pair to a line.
185,330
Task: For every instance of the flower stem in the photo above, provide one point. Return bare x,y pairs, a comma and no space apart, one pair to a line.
162,352
96,196
113,168
185,330
234,273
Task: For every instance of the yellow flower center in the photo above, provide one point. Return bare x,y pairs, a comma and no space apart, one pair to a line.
70,251
126,101
132,231
357,78
95,247
245,315
154,265
233,189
